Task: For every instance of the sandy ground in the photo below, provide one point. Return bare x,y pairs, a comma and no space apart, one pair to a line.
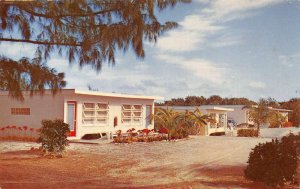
198,162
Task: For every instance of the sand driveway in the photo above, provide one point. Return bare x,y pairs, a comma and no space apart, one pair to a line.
197,162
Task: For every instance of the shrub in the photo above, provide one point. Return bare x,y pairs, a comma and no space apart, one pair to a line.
149,138
91,136
274,163
217,134
53,136
247,133
288,124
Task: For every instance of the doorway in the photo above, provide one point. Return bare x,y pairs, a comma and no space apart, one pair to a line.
71,117
148,115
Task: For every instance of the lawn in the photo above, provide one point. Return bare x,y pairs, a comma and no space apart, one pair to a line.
197,162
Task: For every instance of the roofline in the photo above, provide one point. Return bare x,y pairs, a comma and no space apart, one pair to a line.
220,108
117,95
94,93
280,109
206,107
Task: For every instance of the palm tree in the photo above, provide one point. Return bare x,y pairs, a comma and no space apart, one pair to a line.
168,119
259,113
198,120
178,123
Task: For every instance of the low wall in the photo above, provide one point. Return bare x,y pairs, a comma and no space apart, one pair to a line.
278,132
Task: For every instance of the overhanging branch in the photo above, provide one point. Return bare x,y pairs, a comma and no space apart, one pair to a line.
40,42
32,12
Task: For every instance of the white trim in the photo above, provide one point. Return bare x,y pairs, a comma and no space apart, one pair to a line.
280,109
219,108
96,93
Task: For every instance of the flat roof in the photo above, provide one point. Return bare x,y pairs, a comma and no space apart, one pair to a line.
206,107
216,107
95,93
280,109
117,95
222,109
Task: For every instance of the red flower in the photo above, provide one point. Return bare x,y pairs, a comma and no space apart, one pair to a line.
129,131
2,129
20,128
8,127
31,129
25,128
14,127
146,131
163,130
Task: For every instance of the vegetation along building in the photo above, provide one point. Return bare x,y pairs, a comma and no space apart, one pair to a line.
218,115
240,114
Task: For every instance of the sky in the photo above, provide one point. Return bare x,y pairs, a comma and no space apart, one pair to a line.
231,48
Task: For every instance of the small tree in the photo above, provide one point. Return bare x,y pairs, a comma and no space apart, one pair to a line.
53,136
176,123
259,114
197,120
168,119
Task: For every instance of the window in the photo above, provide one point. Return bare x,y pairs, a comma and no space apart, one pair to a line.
95,113
20,111
218,120
213,121
222,118
132,114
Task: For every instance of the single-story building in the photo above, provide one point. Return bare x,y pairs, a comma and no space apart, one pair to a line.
240,115
86,112
218,114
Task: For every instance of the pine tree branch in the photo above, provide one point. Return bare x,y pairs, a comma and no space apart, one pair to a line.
65,15
41,42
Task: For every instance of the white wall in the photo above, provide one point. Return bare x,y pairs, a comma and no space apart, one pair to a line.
216,129
278,132
115,106
238,115
41,107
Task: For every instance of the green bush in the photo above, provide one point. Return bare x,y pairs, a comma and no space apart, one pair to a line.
53,136
247,133
274,163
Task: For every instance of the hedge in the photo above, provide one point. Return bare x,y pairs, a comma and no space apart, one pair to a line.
247,133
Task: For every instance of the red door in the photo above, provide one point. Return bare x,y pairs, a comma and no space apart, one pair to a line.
71,117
